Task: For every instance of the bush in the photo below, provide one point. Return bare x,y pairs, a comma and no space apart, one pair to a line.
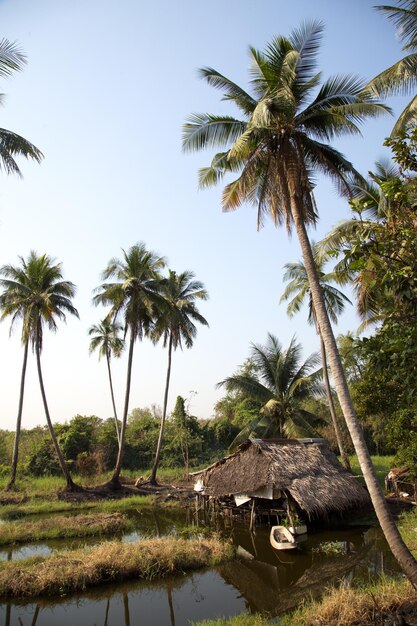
88,464
43,460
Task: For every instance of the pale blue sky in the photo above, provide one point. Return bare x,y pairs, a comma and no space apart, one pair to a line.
105,92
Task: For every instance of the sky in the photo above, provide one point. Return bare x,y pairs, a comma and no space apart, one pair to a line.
104,95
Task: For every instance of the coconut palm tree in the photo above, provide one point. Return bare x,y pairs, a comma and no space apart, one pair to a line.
335,300
280,383
11,145
133,298
280,141
401,77
105,339
34,292
175,325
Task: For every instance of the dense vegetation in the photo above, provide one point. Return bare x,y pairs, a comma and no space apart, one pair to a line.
90,446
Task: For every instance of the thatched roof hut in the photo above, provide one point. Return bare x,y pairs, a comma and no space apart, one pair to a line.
304,470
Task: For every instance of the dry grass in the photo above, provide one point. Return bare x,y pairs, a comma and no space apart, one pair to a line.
76,570
370,606
63,527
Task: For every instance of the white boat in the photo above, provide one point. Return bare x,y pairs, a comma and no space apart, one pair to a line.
281,538
298,530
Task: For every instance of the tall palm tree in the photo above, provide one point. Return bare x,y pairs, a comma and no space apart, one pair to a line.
132,297
11,145
175,324
35,292
275,148
280,383
401,77
105,339
335,300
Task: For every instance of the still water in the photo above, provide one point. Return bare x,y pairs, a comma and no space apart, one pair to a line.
262,580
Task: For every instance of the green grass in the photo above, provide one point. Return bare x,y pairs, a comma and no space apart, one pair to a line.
39,507
48,486
40,487
407,525
382,465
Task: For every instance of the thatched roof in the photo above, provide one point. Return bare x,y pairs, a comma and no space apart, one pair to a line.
304,468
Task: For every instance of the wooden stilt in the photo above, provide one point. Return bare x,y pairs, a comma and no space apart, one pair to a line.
252,516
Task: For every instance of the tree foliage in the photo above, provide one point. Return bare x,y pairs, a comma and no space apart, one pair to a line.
279,383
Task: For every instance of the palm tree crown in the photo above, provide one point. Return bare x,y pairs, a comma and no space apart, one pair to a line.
133,295
11,144
179,312
299,287
280,138
280,384
35,293
105,339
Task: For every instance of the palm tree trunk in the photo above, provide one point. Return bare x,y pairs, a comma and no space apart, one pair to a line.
15,457
164,414
338,433
114,482
64,466
400,551
112,396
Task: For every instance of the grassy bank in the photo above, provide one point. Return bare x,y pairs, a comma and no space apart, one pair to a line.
63,527
76,570
39,506
372,605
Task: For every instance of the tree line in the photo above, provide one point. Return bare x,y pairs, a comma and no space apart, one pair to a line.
90,445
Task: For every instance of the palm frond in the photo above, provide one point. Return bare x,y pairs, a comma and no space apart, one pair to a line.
404,17
12,58
203,130
407,118
232,91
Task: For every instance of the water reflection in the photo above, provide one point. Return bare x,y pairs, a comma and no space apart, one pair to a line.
262,580
174,603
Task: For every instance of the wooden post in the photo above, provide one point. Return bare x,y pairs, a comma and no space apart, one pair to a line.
252,516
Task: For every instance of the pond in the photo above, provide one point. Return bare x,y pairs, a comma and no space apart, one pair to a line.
263,579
